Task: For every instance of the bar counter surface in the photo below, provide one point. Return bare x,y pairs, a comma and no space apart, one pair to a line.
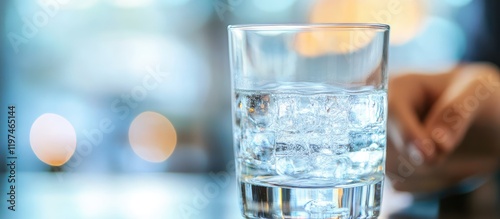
186,196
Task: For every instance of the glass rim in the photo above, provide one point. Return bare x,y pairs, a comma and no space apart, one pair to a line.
309,26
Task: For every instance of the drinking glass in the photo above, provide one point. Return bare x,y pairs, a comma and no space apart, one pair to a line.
309,105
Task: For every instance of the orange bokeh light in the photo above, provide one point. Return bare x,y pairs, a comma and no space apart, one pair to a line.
404,16
332,41
152,137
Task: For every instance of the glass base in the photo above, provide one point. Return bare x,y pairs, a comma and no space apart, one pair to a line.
358,202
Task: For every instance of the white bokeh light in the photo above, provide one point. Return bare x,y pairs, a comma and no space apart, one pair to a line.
53,139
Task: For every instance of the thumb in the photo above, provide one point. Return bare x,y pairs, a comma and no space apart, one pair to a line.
452,114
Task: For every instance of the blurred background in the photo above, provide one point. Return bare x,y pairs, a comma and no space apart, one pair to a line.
111,60
96,79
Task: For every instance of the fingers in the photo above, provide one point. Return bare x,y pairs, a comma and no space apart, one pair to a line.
408,135
456,108
409,99
430,116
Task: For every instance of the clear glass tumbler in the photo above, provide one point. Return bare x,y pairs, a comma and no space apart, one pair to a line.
309,106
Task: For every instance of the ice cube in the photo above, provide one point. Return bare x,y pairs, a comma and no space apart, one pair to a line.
258,110
329,166
291,148
366,110
262,146
359,140
341,149
336,112
257,148
286,114
292,159
293,166
365,162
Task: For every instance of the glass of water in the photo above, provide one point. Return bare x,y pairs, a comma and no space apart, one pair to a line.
309,106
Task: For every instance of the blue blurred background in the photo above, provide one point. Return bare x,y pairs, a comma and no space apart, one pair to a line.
81,59
87,61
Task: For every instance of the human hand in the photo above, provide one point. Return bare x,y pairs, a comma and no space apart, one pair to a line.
443,128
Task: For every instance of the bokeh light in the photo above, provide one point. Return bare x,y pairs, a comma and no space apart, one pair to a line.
307,44
152,136
335,41
53,139
404,17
